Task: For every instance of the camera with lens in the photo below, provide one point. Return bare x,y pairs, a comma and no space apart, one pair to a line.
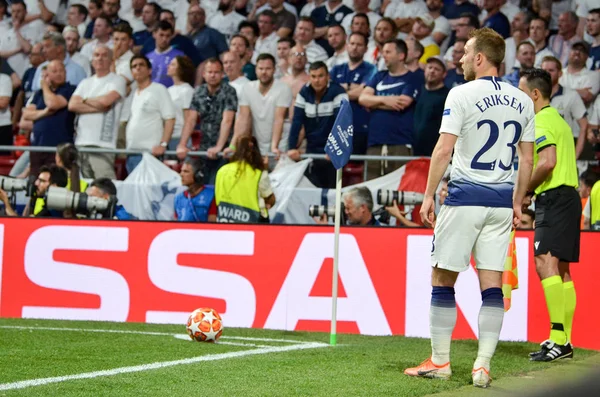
387,197
320,210
61,199
11,185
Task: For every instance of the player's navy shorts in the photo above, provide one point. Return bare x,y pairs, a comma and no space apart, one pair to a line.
557,223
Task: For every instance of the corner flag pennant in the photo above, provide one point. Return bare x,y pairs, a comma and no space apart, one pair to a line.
339,142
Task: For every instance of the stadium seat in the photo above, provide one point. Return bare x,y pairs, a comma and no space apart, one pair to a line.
6,164
353,173
175,165
120,169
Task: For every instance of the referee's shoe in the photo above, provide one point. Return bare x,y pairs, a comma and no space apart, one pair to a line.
551,351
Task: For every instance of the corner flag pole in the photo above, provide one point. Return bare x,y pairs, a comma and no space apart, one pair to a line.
336,256
339,148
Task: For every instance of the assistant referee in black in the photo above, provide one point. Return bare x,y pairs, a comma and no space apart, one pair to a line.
557,214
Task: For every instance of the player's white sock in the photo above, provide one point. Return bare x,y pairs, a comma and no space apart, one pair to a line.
442,319
491,316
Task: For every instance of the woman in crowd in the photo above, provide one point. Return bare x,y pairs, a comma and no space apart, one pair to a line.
182,71
67,157
242,189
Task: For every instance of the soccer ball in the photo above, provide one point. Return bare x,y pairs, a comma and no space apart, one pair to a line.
204,325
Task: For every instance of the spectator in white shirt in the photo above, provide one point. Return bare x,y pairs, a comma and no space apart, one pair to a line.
102,32
384,31
442,30
538,34
578,77
123,41
568,104
77,17
72,37
42,9
16,42
232,66
284,47
404,12
182,71
97,102
263,106
152,118
361,7
304,35
267,37
226,20
134,15
336,37
519,31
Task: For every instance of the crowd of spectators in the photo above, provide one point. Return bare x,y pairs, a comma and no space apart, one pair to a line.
151,76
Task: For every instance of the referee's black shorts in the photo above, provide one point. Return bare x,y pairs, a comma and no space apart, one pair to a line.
557,223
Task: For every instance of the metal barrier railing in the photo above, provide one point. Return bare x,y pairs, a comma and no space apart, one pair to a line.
87,149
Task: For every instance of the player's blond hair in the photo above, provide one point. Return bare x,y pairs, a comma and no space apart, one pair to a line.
489,43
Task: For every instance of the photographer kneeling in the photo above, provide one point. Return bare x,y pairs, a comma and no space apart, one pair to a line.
358,208
48,176
104,188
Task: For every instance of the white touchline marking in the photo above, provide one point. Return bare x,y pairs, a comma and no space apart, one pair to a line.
187,338
123,331
157,365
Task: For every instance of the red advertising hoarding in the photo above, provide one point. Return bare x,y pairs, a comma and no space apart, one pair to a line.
276,277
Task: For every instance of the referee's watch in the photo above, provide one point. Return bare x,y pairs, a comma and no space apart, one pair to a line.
164,144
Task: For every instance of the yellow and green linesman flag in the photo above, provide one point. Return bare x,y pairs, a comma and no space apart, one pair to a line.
510,276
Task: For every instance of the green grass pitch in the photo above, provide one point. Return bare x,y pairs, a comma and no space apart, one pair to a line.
40,359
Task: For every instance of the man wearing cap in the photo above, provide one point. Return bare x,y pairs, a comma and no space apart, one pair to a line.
577,77
430,107
526,59
421,31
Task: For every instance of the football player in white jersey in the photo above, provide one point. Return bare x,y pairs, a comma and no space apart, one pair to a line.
486,122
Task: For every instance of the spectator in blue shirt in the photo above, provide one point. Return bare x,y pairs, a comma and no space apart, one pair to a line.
526,58
178,42
456,76
455,10
331,13
353,76
163,53
197,203
495,19
53,123
150,14
209,42
54,47
94,10
390,96
317,105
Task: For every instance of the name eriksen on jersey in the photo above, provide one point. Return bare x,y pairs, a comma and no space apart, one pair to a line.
497,100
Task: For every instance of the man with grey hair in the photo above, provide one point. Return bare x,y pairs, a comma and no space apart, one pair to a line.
98,101
358,208
54,47
560,44
72,37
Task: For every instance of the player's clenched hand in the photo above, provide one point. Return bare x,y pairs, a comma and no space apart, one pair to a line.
428,211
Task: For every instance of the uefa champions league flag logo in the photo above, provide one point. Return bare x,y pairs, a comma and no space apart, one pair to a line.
339,142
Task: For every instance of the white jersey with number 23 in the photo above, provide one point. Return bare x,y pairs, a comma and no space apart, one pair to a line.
489,118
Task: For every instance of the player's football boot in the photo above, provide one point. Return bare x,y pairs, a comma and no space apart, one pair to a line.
542,350
427,369
481,377
553,352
